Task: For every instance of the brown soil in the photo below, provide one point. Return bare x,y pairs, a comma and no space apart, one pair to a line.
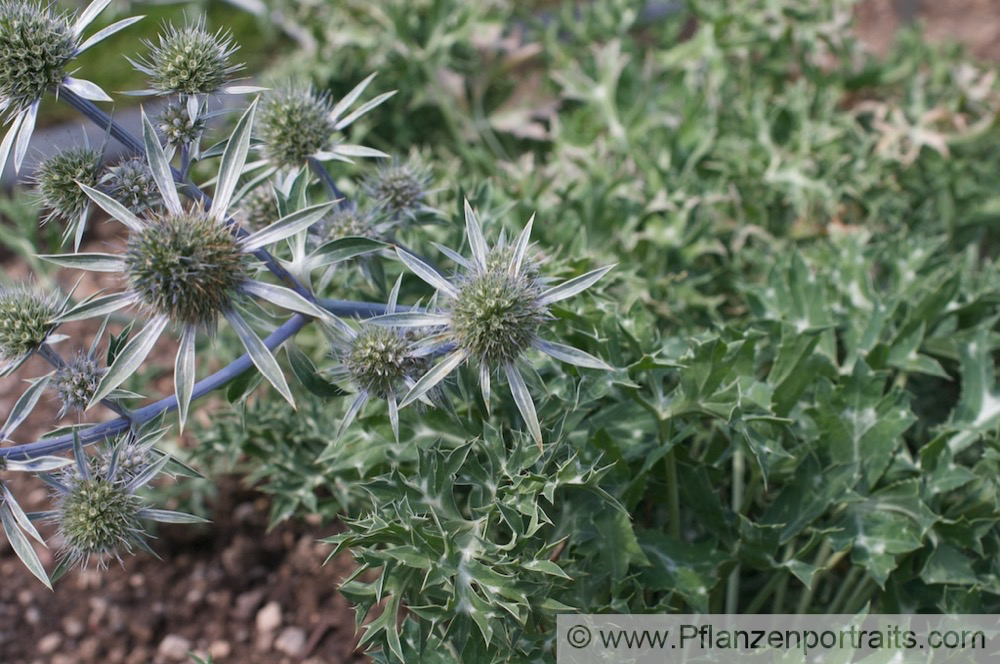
974,23
230,589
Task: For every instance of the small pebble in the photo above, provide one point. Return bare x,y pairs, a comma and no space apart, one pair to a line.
49,643
291,641
269,618
174,648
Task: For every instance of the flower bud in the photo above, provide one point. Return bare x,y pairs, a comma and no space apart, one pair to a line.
177,126
56,180
259,208
399,187
131,183
76,382
25,320
98,517
380,360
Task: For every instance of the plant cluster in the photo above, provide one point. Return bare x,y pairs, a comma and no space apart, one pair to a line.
782,398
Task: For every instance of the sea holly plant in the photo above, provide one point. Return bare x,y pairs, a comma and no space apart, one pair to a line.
781,399
185,263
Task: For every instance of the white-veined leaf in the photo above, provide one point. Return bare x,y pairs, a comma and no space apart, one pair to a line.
233,160
260,355
286,226
573,286
95,262
426,272
130,357
522,398
436,374
22,546
571,355
184,370
96,306
159,166
24,405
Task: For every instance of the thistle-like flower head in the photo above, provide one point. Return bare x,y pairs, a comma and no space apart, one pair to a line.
381,360
187,267
56,180
189,60
98,517
400,187
297,124
378,361
496,315
26,317
97,511
130,182
37,43
493,313
76,381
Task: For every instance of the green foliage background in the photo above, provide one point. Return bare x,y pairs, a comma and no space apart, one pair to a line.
803,317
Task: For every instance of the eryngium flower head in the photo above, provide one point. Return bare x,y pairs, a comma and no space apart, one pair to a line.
496,315
189,60
400,187
131,183
25,321
56,181
294,124
381,360
76,382
175,124
259,208
187,267
492,314
36,42
100,517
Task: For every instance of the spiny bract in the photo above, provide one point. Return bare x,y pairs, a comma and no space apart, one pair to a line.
190,60
76,382
25,320
56,182
496,316
36,42
131,183
294,124
187,267
98,517
380,360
